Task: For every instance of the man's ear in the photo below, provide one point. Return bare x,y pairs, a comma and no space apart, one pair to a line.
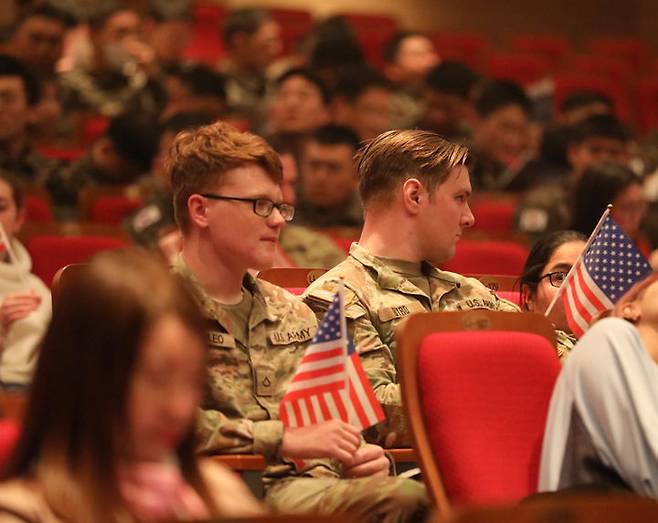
197,209
631,312
413,195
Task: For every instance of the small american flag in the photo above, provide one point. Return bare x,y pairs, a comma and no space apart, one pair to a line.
607,269
330,382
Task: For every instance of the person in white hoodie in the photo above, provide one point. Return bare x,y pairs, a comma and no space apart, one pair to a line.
25,304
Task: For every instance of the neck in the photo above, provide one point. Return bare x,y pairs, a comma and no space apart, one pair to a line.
390,236
649,335
220,280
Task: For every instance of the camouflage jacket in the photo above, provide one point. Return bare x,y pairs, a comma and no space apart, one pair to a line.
377,299
307,248
348,214
247,378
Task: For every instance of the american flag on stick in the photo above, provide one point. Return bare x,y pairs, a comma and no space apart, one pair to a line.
330,382
610,265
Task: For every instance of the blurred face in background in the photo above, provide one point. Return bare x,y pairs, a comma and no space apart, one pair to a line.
38,42
328,174
369,115
298,106
595,150
15,112
629,208
415,57
503,135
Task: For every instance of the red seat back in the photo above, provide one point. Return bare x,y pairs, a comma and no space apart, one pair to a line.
37,209
487,257
111,209
49,253
522,68
485,398
553,48
494,215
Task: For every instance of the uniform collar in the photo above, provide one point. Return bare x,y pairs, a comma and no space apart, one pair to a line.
389,279
263,308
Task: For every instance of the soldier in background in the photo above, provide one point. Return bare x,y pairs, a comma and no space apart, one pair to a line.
415,189
328,189
117,71
229,207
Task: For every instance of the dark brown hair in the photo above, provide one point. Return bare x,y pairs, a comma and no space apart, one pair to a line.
76,416
199,157
395,156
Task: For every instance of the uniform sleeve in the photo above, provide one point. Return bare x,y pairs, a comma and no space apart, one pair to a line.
217,434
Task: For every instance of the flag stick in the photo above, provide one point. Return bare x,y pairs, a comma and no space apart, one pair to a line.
343,329
575,265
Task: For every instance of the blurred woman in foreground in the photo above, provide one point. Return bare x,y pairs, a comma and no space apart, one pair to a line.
108,434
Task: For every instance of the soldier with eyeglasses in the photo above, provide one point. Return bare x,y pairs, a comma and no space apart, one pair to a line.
230,210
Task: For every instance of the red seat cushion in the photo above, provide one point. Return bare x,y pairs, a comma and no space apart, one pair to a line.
50,253
485,396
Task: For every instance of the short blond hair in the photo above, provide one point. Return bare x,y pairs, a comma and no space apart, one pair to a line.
395,156
199,158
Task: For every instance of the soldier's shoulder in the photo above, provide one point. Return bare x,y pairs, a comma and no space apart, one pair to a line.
352,273
281,301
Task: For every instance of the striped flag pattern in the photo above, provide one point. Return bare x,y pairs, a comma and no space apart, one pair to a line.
330,382
606,270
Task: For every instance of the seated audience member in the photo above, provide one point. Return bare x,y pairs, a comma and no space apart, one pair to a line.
150,225
19,96
408,57
362,101
608,183
24,299
500,135
601,429
552,164
447,100
37,38
299,245
118,71
252,40
108,434
415,189
597,139
548,264
328,190
119,157
195,88
169,30
257,334
331,46
300,103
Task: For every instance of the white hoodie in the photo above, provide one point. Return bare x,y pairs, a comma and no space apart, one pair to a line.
20,344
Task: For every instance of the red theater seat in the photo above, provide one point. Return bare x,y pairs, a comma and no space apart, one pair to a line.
50,253
553,48
476,386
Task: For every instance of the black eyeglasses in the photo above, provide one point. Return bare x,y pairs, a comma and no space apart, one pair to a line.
556,279
262,206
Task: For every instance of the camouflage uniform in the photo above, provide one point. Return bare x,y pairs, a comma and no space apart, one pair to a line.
379,294
565,343
245,94
307,248
348,214
253,354
109,93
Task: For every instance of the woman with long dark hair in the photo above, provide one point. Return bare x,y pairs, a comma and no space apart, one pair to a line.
108,435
